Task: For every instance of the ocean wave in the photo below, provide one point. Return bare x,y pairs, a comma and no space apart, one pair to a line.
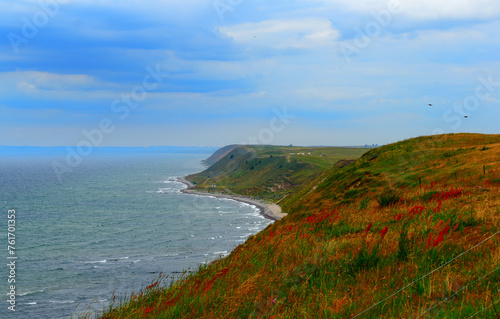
224,252
61,301
30,293
96,262
31,303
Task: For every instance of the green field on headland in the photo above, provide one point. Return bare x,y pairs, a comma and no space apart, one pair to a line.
408,230
269,172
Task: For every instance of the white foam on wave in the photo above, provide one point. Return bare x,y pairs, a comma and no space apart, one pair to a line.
97,262
122,258
61,301
30,303
30,293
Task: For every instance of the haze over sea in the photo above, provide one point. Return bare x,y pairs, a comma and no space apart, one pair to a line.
112,225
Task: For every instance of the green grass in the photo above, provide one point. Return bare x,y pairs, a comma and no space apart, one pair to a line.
270,172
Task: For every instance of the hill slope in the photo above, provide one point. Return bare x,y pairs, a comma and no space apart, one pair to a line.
410,230
219,154
269,172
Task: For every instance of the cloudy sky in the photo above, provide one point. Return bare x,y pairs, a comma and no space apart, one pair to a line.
217,72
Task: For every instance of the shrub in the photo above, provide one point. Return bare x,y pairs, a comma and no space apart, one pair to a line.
388,198
404,245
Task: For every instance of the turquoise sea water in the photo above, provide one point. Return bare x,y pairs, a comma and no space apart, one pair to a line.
112,225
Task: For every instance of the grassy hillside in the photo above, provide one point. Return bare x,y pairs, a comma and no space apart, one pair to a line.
269,172
409,230
219,154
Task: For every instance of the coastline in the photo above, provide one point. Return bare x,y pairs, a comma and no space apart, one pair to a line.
269,211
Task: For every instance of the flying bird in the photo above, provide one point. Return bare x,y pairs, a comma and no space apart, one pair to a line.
430,104
466,116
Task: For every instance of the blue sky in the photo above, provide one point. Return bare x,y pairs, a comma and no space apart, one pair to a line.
217,72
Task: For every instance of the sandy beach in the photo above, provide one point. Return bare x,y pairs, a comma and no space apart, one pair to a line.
270,211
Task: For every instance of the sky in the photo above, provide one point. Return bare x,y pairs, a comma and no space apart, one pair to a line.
218,72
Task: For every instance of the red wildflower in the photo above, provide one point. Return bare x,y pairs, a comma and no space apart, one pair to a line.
172,301
152,285
417,210
147,311
369,227
220,273
367,230
383,232
429,241
437,207
398,217
440,236
437,240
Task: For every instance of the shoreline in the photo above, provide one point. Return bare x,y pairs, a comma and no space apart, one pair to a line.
269,211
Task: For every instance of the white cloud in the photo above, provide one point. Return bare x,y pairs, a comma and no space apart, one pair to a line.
281,34
334,93
33,80
428,9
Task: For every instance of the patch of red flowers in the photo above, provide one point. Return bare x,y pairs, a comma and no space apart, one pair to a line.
316,219
438,207
440,237
147,311
417,210
171,302
398,217
220,273
453,192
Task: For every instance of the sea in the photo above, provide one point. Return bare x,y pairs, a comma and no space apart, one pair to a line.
107,228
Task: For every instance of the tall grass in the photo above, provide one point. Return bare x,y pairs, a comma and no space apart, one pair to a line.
429,251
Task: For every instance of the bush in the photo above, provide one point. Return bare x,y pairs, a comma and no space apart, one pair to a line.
404,245
388,198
